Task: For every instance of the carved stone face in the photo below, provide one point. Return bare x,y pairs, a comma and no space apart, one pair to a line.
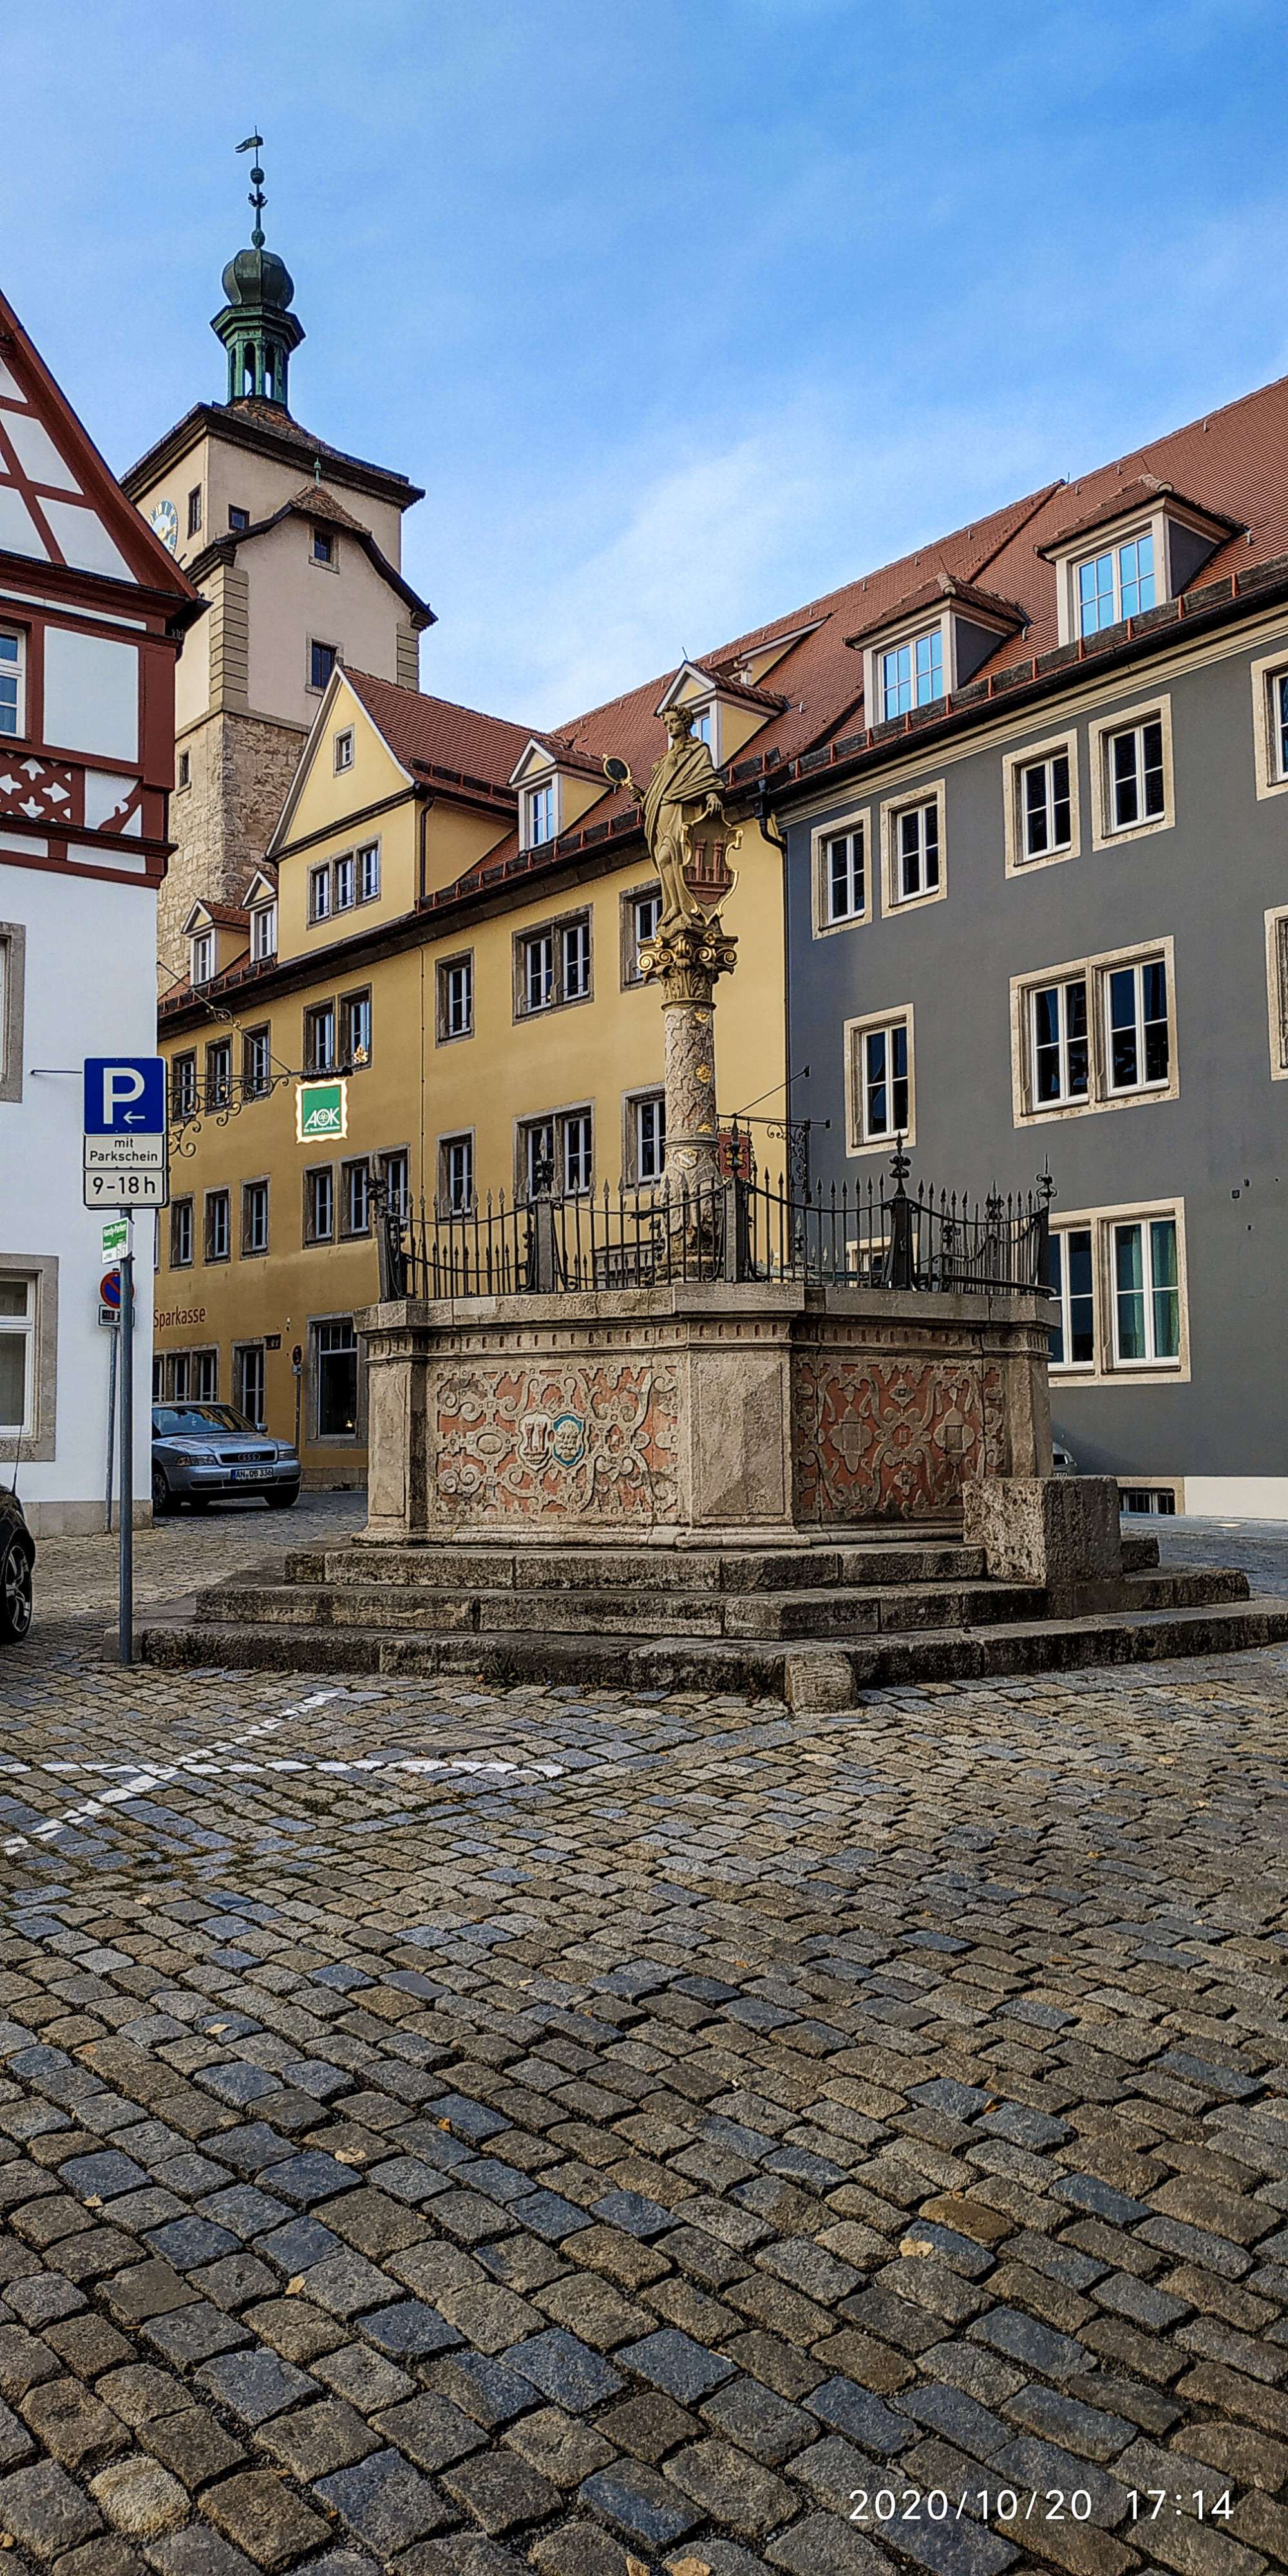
679,723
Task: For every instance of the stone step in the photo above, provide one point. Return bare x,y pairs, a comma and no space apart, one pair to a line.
888,1660
852,1611
667,1570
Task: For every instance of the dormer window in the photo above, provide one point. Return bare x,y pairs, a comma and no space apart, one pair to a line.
539,815
912,674
203,957
1116,584
263,931
702,726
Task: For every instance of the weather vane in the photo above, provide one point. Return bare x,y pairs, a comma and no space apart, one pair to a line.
255,143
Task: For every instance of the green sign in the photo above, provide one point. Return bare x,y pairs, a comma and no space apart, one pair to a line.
321,1112
115,1236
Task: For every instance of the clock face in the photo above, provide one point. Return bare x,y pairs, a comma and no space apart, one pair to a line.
165,519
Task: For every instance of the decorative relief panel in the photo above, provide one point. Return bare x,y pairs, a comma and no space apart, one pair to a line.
520,1441
892,1439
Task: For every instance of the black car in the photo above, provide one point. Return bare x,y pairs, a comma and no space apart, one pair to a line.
17,1556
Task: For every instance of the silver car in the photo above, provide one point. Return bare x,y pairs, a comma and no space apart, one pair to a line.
200,1450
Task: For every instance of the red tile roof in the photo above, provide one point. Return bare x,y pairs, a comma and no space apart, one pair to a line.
1232,468
431,733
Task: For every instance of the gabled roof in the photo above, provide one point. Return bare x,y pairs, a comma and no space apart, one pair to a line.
60,503
965,595
316,504
262,887
722,684
214,916
268,431
550,751
1127,500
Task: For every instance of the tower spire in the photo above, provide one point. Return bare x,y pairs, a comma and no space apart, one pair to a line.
256,327
255,143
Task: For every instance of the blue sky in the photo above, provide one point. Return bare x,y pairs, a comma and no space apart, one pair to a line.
683,311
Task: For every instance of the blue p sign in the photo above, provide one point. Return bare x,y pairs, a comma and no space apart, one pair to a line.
124,1095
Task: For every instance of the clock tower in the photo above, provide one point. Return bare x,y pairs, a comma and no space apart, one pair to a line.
294,547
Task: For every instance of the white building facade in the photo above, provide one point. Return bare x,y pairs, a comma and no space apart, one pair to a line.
92,611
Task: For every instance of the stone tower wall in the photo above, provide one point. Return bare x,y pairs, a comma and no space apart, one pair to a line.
241,770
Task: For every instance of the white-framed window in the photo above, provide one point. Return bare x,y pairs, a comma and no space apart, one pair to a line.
203,957
576,960
1040,805
1119,1302
839,853
912,674
1147,1292
880,1098
1117,583
257,1063
355,1196
342,749
641,913
577,1149
1137,1028
183,1086
320,894
13,669
1136,787
456,998
553,965
369,872
1071,1276
263,932
1045,806
319,1204
17,1354
219,1074
254,1216
539,815
218,1229
538,1156
538,972
181,1233
648,1121
1270,723
319,1038
395,1173
1060,1040
1131,757
355,1028
249,1382
346,883
1277,990
205,1376
557,1152
913,828
1098,1033
456,1174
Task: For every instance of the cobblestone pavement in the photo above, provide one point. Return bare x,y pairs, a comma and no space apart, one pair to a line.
76,1578
463,2130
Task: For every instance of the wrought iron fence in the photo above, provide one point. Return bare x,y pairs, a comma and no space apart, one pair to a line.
874,1234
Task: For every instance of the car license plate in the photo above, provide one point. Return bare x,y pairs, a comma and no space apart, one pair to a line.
250,1475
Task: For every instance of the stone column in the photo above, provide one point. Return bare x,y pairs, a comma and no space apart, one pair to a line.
686,961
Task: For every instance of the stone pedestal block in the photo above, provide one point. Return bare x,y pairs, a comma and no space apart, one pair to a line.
769,1409
1060,1531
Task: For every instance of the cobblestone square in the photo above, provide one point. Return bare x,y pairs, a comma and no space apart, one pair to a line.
460,2129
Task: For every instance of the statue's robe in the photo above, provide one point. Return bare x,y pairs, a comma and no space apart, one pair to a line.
684,776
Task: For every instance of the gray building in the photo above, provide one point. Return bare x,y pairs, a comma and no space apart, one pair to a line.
1038,914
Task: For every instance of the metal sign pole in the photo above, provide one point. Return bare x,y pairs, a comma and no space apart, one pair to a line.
111,1423
127,1444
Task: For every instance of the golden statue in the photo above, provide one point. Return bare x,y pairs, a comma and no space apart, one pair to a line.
684,791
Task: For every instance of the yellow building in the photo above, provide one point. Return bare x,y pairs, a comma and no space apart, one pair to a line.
449,913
